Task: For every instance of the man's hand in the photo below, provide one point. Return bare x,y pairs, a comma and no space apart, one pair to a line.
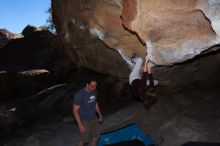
82,128
100,119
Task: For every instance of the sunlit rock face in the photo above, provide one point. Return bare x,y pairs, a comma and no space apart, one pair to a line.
29,29
170,31
173,30
6,36
91,31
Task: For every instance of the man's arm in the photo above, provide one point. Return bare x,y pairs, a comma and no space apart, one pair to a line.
146,65
82,128
145,71
150,75
147,74
99,112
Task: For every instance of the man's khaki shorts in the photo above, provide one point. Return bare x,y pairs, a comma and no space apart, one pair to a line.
92,128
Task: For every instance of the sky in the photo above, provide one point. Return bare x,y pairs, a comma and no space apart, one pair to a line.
15,15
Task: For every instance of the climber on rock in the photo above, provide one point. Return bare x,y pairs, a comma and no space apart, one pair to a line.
143,88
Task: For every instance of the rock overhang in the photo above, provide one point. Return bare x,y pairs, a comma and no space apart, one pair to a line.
169,31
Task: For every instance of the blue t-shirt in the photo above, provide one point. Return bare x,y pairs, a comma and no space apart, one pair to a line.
87,102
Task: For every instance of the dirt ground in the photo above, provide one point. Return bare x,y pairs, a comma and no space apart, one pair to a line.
177,118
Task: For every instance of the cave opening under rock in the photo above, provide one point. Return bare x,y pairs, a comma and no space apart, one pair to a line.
41,71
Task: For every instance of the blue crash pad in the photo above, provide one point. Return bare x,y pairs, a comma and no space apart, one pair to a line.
129,132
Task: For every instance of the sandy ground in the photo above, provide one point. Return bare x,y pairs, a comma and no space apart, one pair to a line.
177,118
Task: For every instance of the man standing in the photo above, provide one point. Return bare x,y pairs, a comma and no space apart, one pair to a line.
85,107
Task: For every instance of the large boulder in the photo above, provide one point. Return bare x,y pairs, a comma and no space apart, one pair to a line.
6,36
173,31
30,51
29,29
201,72
170,31
29,64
